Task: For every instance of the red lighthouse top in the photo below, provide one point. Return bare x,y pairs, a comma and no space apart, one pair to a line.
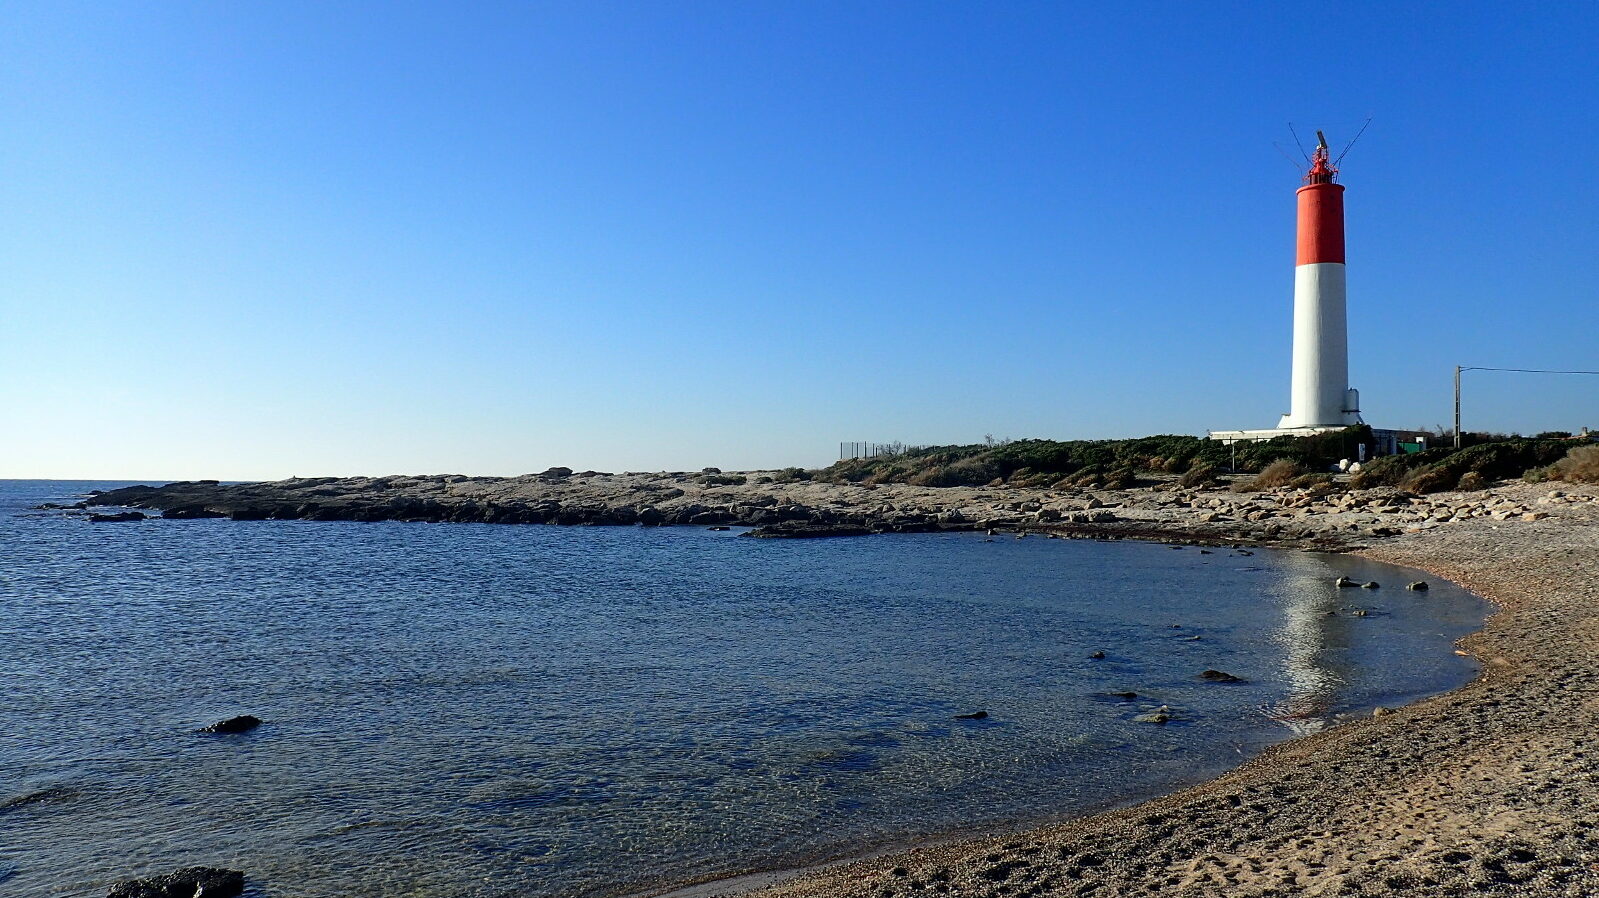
1321,212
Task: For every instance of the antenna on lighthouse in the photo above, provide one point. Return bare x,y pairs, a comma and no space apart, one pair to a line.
1322,170
1351,144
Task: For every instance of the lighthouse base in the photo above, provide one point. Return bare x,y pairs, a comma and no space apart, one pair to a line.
1256,436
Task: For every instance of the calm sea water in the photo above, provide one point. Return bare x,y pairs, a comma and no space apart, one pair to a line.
478,710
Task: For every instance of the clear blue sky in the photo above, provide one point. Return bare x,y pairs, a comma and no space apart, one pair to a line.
254,240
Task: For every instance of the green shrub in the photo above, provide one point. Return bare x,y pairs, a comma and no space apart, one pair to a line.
1279,473
1436,470
791,475
1199,475
1429,480
1581,465
1471,480
722,479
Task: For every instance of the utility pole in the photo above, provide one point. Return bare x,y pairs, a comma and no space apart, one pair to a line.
1457,406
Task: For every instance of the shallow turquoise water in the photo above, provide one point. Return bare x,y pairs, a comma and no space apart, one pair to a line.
479,710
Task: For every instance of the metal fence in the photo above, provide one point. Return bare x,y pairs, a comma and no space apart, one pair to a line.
873,450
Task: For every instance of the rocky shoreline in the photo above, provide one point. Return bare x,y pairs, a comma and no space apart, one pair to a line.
1162,510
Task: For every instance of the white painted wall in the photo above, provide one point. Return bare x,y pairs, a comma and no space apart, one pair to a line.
1320,380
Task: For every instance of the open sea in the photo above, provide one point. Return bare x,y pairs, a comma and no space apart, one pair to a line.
476,710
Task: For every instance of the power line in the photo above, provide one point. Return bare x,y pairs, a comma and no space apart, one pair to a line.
1460,368
1524,370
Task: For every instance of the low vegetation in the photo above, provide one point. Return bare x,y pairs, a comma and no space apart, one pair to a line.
1581,465
1110,464
1446,468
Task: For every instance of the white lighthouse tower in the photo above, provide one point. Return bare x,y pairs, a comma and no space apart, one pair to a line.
1320,396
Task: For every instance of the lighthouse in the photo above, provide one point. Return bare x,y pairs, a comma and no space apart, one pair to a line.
1319,394
1320,399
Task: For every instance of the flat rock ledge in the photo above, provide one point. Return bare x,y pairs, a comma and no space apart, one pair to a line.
1161,510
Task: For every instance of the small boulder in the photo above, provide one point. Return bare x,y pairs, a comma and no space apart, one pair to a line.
975,715
1124,696
244,723
1380,711
190,882
719,527
1344,583
1218,676
1419,586
1370,584
1097,655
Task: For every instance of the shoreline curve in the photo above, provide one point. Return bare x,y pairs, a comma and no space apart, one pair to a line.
1482,788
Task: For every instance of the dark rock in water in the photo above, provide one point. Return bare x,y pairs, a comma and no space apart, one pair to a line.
38,796
1217,676
190,882
1419,586
191,512
244,723
719,527
1245,552
1370,584
117,518
1344,582
975,715
1124,696
1097,655
1206,552
803,530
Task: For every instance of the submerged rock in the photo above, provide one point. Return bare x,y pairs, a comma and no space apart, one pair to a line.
190,882
975,715
118,517
1219,676
1097,655
1344,583
244,723
1419,585
1370,584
